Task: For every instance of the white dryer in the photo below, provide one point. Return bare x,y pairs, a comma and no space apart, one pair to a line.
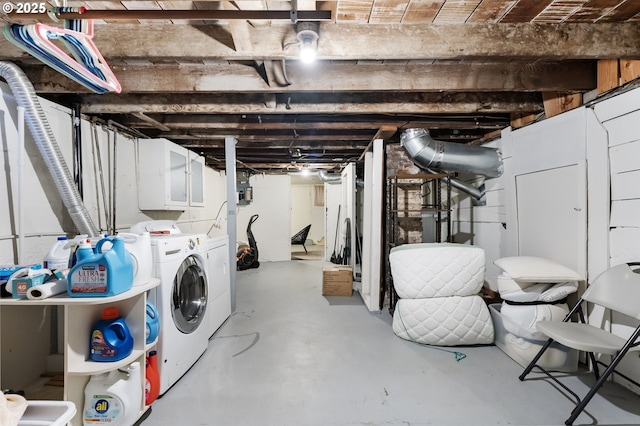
182,303
216,251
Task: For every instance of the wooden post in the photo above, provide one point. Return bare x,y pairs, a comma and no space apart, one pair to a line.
629,70
608,74
556,103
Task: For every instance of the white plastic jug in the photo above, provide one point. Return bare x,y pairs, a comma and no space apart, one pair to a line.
114,398
139,246
58,256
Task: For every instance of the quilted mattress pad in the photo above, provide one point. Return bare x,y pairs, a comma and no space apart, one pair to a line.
444,321
521,320
437,270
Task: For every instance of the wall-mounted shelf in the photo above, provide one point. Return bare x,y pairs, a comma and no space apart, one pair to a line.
80,315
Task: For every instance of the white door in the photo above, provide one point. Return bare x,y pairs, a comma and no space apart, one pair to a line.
552,215
372,226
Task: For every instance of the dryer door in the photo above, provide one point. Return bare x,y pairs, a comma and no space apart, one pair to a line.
189,295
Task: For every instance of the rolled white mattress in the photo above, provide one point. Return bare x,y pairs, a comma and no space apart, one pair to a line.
518,291
437,270
444,321
521,320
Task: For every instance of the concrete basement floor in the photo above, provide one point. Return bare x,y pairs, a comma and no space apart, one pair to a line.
290,356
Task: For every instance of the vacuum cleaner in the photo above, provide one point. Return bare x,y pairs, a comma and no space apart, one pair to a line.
247,256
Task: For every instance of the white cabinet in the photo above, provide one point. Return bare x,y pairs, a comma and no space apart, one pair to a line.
170,177
80,315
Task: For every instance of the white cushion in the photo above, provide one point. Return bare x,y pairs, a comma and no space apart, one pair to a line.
517,291
444,321
536,269
437,270
559,291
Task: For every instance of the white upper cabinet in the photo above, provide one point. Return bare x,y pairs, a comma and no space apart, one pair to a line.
170,177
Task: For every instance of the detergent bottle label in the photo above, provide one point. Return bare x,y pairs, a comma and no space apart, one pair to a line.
91,278
102,410
99,347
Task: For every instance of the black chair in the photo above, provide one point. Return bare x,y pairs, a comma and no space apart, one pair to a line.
616,289
301,237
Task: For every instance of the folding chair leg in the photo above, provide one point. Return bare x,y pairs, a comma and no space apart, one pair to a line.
614,363
535,360
596,370
305,248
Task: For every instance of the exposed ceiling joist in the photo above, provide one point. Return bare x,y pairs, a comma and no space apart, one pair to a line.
378,42
317,103
465,70
332,77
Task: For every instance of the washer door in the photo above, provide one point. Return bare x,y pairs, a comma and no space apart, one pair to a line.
189,295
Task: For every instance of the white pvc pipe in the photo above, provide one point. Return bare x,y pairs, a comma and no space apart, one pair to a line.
20,182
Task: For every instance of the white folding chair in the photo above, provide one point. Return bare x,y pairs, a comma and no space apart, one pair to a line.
617,289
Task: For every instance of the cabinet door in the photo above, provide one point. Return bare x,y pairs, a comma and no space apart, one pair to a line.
163,175
196,180
177,176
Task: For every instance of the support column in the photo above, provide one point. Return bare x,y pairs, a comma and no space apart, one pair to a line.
232,228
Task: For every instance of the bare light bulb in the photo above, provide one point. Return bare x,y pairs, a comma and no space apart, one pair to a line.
308,39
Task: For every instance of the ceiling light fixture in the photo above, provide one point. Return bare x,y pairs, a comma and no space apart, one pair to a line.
307,35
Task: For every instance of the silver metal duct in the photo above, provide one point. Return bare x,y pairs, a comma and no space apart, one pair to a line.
327,178
476,193
449,156
45,140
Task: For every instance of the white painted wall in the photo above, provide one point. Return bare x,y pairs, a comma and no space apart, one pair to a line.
570,188
483,225
272,202
304,211
332,201
618,118
31,204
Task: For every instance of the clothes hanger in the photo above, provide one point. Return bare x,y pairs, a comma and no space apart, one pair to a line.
87,66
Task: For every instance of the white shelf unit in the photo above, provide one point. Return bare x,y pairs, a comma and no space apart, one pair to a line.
80,315
170,177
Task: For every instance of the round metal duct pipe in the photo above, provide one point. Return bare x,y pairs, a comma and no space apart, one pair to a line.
449,156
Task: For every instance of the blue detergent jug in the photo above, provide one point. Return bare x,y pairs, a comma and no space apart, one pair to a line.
152,323
98,273
111,339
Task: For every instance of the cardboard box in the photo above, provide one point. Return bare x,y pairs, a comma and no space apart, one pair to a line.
21,285
337,280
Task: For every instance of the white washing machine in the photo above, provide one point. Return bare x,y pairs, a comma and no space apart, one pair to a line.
182,303
216,252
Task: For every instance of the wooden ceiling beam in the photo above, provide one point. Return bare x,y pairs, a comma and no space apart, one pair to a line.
321,103
339,77
208,126
376,42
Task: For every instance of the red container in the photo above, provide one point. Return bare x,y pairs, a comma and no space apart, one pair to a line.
152,382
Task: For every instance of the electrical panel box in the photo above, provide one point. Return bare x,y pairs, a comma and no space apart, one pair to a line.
170,177
244,190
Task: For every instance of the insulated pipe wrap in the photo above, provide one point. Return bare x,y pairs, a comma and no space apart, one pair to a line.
429,153
45,140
